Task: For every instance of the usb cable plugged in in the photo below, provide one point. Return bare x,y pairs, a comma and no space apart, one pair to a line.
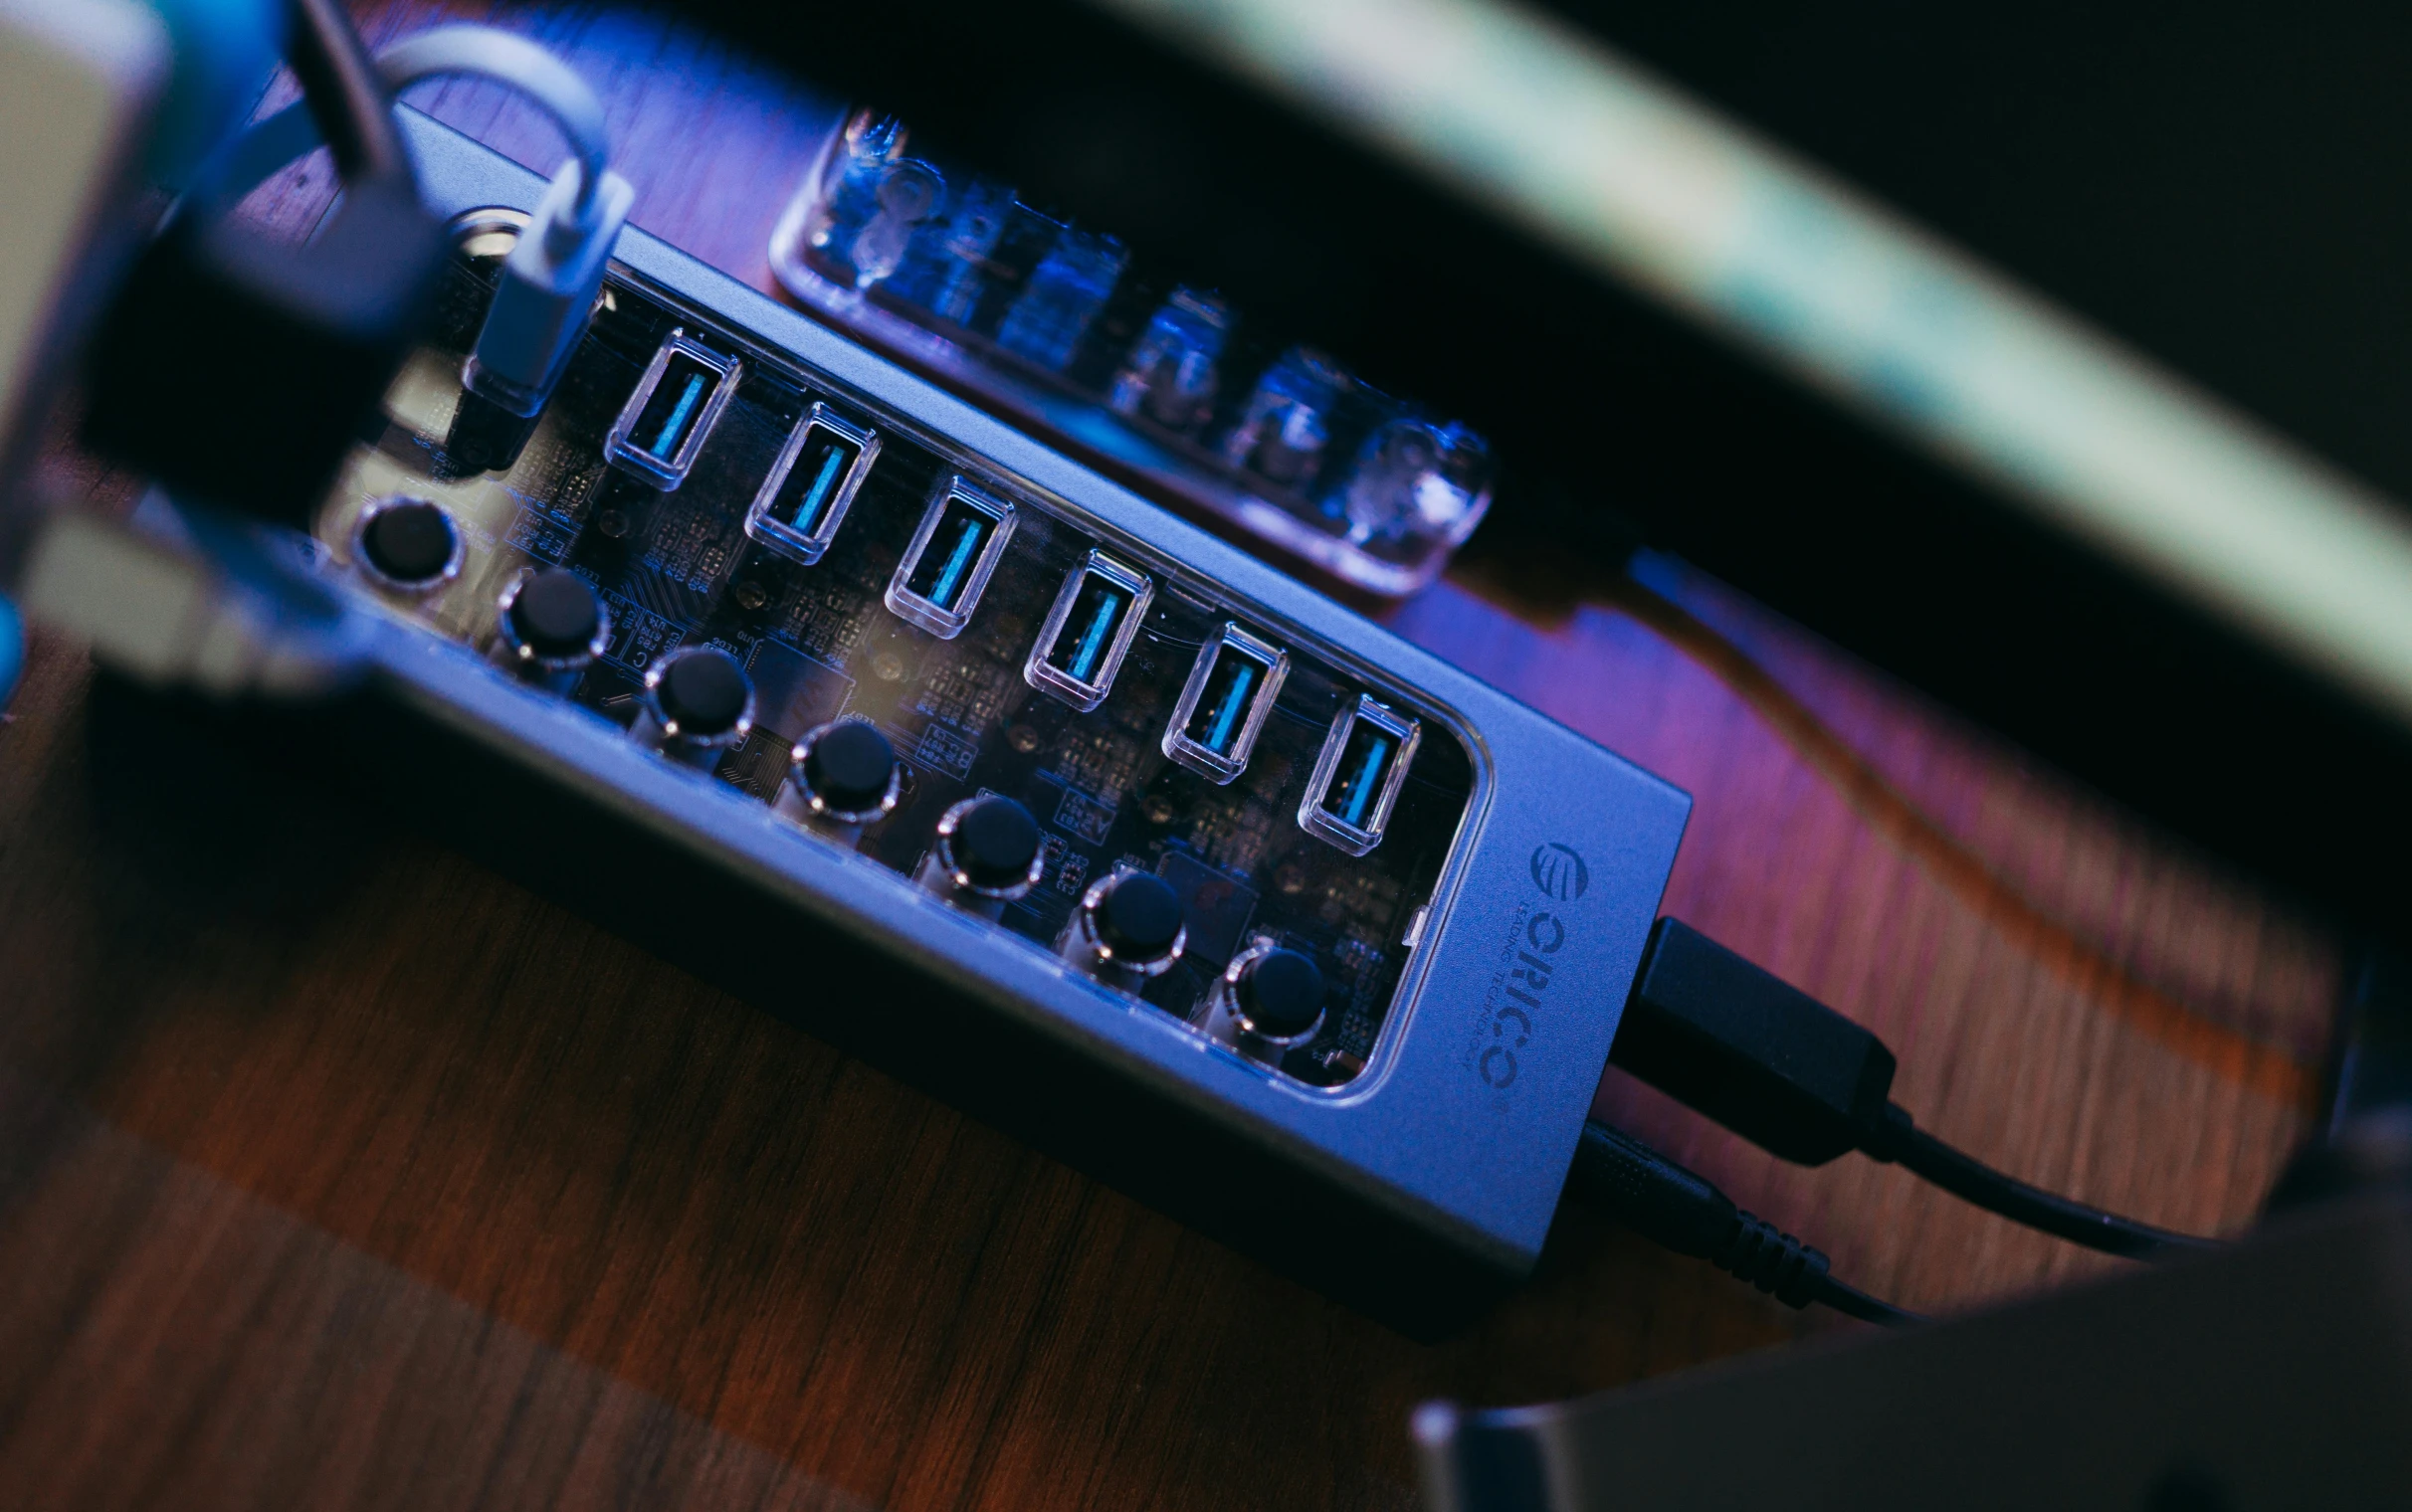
554,272
1794,1076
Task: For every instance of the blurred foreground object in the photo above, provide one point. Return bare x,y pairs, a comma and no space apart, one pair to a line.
224,334
2273,1374
2276,1375
78,83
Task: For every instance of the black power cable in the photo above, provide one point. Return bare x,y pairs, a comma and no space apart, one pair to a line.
1672,1206
1973,1180
1800,1081
344,94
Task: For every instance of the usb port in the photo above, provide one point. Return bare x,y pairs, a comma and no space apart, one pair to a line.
676,403
1358,775
1230,691
800,505
1095,616
953,553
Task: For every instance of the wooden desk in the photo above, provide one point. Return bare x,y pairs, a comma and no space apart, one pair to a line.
336,1172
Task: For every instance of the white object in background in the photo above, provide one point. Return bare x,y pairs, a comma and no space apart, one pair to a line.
78,82
170,612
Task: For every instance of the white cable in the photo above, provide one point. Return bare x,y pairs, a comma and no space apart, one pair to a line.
552,86
478,52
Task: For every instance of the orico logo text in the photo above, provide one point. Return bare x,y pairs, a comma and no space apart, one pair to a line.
1559,871
1518,997
1528,963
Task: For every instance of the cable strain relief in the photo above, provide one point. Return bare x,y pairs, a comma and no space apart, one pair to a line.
1774,1261
581,215
1893,1130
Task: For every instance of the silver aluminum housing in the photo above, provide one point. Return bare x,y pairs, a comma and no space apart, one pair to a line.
809,547
1321,822
1223,766
1463,1124
947,621
666,476
1051,679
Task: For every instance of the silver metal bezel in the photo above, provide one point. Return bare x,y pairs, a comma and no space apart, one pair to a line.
944,851
1048,678
652,703
1318,822
814,802
368,567
1220,768
623,452
1227,997
808,546
1085,927
946,624
523,654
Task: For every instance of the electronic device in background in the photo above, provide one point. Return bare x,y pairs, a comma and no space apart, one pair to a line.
1067,331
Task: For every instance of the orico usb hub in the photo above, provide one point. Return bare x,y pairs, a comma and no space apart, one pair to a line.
844,692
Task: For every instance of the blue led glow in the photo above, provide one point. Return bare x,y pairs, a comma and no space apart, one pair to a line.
959,561
818,493
686,406
12,650
1363,782
1233,703
1093,640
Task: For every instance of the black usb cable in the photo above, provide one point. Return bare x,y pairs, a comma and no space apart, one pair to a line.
1803,1083
1663,1202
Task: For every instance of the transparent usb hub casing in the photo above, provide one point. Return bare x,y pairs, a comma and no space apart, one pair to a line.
1200,407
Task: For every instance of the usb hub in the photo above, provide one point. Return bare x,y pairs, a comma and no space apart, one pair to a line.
925,737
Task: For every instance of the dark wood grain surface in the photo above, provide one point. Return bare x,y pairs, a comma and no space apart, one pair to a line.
336,1172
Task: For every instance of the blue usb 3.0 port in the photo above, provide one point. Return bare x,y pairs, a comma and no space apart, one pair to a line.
661,427
961,538
1357,776
1097,615
1231,689
800,505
